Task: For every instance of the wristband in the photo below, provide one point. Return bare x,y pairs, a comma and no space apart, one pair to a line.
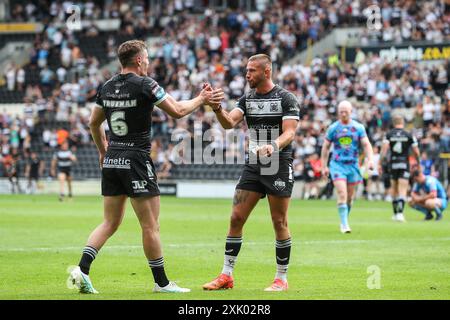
218,109
275,146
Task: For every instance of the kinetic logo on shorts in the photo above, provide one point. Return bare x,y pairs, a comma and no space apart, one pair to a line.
117,163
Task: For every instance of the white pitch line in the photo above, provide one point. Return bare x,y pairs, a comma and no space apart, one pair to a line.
185,245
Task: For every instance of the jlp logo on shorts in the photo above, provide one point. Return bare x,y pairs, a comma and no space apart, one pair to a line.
279,184
139,185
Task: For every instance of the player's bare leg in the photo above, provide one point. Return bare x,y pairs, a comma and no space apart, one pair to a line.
69,185
62,180
243,203
342,202
147,211
351,191
114,209
279,213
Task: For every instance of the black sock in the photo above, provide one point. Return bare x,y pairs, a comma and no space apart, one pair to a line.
233,246
283,253
395,205
89,254
159,274
400,205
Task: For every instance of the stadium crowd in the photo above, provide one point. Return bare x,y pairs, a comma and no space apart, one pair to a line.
191,49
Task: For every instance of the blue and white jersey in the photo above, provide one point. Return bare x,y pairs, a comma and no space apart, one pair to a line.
431,184
345,139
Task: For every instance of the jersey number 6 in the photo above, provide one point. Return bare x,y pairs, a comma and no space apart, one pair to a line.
118,125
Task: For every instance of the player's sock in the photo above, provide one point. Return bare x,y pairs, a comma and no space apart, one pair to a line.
232,248
159,274
349,206
283,252
395,205
89,254
400,204
343,213
438,210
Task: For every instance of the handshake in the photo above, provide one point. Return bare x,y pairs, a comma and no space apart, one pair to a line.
212,97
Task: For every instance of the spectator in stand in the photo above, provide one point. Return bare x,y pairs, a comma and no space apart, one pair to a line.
427,164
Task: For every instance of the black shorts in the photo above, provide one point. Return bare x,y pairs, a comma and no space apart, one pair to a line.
279,184
130,173
65,170
400,174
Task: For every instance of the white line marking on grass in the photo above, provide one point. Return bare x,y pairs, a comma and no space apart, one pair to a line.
185,245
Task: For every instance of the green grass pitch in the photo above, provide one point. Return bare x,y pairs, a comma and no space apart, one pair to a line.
41,237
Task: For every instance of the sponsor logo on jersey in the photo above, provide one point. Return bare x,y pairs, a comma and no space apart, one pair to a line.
345,141
117,95
265,126
263,107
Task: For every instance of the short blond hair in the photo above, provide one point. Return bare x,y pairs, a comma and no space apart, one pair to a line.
264,58
398,119
128,50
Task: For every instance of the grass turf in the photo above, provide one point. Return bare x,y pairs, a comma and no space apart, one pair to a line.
41,237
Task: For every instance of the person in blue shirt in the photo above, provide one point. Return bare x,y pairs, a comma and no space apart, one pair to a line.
347,137
427,164
428,195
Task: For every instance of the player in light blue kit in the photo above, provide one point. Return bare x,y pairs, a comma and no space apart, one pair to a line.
428,195
347,137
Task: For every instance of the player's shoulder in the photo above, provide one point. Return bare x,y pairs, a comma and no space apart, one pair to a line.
334,125
250,94
142,81
284,93
358,125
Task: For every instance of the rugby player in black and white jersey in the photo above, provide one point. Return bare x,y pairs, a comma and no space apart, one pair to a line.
63,160
400,142
126,101
272,115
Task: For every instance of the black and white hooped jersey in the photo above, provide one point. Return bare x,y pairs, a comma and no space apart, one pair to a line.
400,141
63,158
264,114
128,100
